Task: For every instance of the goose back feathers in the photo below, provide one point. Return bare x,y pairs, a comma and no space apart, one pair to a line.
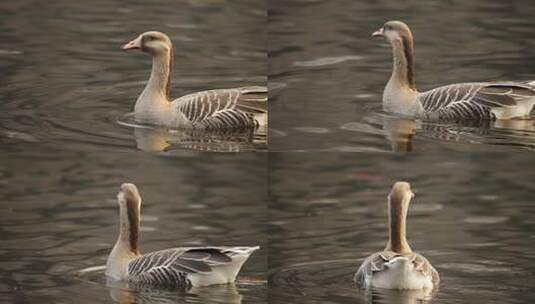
186,267
220,109
479,101
381,262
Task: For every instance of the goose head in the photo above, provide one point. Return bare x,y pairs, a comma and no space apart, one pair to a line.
394,31
152,42
129,197
401,194
403,77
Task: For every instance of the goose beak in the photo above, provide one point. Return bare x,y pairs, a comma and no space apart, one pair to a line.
379,33
132,45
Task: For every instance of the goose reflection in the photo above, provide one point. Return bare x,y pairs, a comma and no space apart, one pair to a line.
122,293
155,139
383,296
400,132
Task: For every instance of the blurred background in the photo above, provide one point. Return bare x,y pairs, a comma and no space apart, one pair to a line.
327,76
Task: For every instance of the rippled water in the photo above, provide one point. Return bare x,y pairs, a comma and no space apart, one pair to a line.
65,80
327,76
473,218
68,141
59,217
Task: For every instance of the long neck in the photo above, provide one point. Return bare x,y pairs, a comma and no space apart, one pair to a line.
160,78
403,58
397,228
129,227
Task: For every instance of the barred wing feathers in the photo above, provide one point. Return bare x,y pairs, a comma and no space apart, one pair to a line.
224,108
474,100
170,268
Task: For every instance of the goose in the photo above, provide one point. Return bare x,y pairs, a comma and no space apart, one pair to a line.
397,266
456,102
237,108
175,268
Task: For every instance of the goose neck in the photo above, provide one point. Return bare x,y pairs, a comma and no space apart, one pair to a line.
397,224
129,227
160,78
403,64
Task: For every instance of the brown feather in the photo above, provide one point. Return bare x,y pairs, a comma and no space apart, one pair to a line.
132,211
171,68
408,51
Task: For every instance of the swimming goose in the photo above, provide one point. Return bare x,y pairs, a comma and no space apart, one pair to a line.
237,108
463,101
397,266
175,268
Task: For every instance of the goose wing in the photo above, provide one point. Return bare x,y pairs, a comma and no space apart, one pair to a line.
422,265
224,108
170,268
474,100
373,263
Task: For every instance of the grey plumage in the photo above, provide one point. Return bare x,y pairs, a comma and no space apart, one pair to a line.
224,108
473,100
170,268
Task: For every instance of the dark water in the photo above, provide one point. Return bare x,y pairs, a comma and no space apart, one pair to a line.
67,142
327,76
65,80
472,217
59,216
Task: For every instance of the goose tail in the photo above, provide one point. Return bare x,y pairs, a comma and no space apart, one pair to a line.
253,99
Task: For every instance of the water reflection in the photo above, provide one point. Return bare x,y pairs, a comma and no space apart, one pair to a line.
385,296
160,139
402,133
124,294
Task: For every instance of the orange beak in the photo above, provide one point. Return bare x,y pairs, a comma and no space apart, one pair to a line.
132,45
379,33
